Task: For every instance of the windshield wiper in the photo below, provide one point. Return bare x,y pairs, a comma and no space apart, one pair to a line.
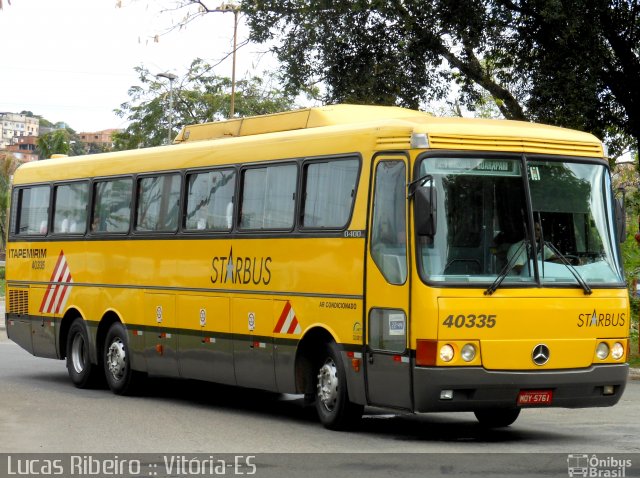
573,270
511,263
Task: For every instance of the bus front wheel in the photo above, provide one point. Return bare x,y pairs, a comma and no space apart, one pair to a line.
121,379
335,410
82,372
497,417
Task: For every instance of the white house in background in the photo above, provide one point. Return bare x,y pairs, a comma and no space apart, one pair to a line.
14,125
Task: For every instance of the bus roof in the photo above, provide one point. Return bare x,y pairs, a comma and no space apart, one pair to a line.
335,129
293,120
334,115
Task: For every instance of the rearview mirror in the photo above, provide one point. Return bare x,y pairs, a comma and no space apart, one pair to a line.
425,208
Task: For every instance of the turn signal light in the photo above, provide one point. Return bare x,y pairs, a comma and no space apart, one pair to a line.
426,352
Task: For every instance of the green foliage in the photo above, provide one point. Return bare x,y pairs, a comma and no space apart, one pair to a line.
56,142
8,165
45,122
631,257
572,63
627,177
94,148
199,96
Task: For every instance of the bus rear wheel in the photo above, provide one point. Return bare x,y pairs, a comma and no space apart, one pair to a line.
122,380
83,373
497,417
335,410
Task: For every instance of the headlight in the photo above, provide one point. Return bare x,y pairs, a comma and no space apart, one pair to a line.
617,351
446,353
602,352
468,352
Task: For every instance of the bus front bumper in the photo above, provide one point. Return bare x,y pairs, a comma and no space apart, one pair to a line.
468,389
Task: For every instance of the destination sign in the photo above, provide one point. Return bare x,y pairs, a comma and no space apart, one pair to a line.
472,166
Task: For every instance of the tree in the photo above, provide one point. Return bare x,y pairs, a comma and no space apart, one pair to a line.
8,165
573,63
198,96
56,142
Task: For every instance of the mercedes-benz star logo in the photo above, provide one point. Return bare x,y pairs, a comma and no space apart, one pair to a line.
540,354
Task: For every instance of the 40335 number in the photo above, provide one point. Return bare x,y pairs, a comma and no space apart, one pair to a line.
470,321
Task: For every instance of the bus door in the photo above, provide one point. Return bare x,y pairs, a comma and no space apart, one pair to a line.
387,361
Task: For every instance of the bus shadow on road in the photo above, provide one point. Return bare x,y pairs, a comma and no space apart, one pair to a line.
227,397
450,427
433,427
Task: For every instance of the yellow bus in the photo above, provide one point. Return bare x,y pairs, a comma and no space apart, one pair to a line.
358,255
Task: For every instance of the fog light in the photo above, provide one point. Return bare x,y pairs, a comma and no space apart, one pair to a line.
602,352
446,394
617,351
608,390
446,353
468,353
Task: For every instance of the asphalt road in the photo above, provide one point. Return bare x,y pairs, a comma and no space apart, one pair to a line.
41,412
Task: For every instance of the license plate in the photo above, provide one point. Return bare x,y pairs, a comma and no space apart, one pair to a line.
535,397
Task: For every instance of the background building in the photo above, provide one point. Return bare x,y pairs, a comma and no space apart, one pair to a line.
24,148
14,125
103,139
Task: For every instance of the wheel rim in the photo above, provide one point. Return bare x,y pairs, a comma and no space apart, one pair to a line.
328,385
78,351
117,359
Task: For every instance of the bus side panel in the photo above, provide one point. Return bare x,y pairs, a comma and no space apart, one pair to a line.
19,330
285,342
252,324
285,359
205,345
161,342
32,331
18,321
43,329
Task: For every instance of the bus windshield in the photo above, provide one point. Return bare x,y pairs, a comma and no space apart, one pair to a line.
552,225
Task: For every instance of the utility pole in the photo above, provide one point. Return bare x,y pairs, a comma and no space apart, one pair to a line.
235,9
171,77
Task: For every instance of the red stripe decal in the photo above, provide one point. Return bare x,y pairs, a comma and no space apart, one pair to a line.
283,318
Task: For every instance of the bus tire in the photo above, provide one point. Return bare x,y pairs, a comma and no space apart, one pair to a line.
335,410
83,373
497,417
122,380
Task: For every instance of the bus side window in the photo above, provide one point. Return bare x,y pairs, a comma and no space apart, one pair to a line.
112,206
329,192
268,197
158,201
70,208
210,200
388,230
33,210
